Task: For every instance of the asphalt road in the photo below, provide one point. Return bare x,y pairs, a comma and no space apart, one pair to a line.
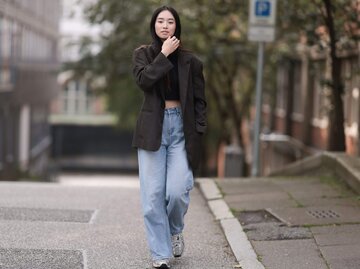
95,222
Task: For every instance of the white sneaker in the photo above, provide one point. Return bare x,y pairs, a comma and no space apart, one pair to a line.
163,264
178,245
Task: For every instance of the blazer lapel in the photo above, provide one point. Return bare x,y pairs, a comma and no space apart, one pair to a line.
154,50
183,67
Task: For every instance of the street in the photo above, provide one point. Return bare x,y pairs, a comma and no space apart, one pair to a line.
95,222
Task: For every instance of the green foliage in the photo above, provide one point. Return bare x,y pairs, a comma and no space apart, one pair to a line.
125,25
304,16
328,27
216,30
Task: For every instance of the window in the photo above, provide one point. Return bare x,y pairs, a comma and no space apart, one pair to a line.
351,90
7,37
39,125
319,101
297,96
77,98
2,137
282,82
9,116
36,47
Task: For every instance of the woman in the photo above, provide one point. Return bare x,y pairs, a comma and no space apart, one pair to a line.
168,132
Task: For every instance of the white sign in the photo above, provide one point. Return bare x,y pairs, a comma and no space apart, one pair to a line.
262,17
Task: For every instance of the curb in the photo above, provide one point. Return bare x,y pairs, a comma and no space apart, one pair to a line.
234,233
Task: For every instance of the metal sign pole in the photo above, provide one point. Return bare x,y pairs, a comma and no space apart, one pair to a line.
259,74
262,15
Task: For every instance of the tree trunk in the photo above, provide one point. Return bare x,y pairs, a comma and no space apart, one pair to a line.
336,140
235,118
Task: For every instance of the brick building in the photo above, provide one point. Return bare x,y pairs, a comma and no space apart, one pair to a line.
29,32
299,122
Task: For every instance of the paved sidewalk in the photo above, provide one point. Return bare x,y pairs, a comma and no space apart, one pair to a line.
94,222
297,222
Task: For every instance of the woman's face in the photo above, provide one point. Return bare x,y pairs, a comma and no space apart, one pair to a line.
165,25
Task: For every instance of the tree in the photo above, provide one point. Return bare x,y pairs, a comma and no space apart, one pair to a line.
230,61
330,11
325,25
215,30
125,26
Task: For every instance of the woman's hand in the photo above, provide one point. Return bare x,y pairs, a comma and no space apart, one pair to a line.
170,45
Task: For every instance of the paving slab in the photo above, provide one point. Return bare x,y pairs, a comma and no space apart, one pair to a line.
342,257
293,184
257,201
257,216
318,215
315,192
330,209
314,189
290,183
275,231
261,197
294,254
336,239
258,205
246,186
327,201
334,229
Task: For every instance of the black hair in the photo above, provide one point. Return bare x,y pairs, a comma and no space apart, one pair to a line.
177,33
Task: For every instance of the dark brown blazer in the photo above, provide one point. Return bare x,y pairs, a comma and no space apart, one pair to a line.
149,69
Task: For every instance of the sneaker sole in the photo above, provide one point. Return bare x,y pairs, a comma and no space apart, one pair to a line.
163,266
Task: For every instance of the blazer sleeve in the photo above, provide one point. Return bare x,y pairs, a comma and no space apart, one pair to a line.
199,98
147,74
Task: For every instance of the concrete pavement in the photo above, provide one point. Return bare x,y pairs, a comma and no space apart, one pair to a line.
295,222
95,222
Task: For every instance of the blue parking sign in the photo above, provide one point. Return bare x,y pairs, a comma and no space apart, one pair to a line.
262,8
262,16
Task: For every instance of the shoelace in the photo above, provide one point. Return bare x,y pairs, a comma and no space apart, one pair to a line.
177,242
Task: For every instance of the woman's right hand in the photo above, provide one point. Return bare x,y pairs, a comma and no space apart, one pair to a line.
170,45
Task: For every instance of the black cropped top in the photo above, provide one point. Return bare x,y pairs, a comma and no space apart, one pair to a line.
172,80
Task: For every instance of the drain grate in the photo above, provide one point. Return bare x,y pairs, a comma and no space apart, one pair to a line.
323,214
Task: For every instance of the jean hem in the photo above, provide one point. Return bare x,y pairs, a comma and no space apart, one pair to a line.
166,258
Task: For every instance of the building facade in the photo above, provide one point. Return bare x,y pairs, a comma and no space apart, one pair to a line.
299,122
77,100
29,32
84,133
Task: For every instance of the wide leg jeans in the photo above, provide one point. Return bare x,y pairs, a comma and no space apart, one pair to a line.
165,182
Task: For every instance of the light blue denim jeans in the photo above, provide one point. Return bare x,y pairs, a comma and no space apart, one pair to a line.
165,182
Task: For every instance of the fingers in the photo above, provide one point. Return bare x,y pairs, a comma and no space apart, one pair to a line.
175,42
170,45
172,40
